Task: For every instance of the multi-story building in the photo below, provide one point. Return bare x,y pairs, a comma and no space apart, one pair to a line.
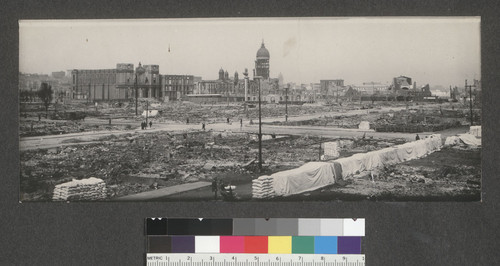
176,87
120,83
95,84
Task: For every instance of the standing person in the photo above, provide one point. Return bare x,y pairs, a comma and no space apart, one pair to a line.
241,122
215,187
417,137
203,126
228,120
187,120
150,124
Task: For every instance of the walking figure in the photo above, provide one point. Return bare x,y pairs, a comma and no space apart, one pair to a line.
203,126
215,188
228,120
150,124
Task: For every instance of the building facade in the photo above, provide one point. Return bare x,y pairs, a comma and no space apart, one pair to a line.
120,83
176,87
401,83
331,88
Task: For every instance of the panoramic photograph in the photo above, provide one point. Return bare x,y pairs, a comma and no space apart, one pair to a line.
250,109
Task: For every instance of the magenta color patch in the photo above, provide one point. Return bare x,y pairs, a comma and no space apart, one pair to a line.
232,244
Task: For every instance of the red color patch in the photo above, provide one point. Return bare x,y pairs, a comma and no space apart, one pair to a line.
256,244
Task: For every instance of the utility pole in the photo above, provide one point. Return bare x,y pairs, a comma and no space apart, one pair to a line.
337,94
470,101
260,128
147,111
246,91
136,96
286,103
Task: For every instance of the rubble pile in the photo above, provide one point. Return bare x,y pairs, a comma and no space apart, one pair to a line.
415,121
262,188
80,190
340,121
44,127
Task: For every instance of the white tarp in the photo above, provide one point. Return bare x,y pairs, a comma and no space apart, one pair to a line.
452,140
151,113
308,177
470,139
368,161
364,125
475,131
314,175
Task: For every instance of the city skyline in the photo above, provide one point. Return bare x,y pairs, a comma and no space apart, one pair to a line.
438,51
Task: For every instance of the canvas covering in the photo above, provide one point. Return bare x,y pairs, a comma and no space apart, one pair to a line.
368,161
308,177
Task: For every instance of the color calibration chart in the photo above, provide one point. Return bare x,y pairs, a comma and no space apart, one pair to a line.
254,241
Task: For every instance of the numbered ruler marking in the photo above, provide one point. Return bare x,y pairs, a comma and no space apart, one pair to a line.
178,259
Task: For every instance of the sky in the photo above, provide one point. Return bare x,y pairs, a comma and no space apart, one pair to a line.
431,50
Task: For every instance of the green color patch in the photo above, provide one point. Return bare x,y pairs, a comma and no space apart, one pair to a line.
303,245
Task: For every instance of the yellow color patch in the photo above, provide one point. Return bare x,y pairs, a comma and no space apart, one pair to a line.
279,244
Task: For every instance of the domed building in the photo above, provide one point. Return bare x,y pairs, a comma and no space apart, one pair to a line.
262,62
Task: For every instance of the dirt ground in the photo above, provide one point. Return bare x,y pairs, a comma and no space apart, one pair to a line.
134,163
131,164
178,112
452,174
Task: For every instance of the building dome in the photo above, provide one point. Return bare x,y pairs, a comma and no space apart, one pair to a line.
262,52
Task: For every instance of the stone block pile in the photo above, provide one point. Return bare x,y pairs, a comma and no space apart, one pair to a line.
80,190
331,149
262,188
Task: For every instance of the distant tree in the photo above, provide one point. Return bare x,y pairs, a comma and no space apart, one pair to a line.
350,93
45,94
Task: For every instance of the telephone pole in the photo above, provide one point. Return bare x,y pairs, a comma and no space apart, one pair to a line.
136,96
260,128
470,101
286,103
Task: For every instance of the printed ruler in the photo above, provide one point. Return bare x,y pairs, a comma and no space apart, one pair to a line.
178,259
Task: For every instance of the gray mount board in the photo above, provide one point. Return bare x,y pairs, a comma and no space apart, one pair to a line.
444,233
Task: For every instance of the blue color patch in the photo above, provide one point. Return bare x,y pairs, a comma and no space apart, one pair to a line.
325,245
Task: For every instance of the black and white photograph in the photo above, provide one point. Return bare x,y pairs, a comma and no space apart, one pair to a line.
250,109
